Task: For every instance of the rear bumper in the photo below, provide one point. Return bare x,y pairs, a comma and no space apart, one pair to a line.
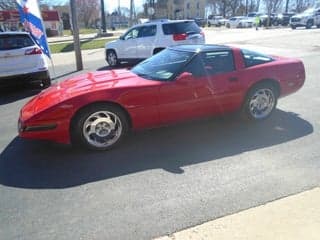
36,77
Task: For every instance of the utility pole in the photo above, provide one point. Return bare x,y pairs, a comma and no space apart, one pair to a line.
131,12
103,17
75,31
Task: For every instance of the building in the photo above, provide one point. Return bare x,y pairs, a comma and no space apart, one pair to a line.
10,21
185,9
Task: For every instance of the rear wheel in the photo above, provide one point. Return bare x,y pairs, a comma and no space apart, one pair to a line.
45,83
260,102
318,26
112,58
293,26
99,127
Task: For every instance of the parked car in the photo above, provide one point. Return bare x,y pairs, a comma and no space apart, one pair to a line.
306,19
22,60
201,22
239,22
283,19
216,21
145,40
96,110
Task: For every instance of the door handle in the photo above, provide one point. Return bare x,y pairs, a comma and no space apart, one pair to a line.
233,79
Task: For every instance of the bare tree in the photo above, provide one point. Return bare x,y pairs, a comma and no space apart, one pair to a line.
88,11
8,4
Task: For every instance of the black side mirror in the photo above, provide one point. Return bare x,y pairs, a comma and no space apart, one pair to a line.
121,37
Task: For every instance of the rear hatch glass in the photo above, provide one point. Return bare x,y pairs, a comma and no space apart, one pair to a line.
180,28
10,42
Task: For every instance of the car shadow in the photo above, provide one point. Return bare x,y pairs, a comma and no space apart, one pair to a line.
16,93
42,165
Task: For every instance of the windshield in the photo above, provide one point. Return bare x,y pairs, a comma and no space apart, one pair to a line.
163,66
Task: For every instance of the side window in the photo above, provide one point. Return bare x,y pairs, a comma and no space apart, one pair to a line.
148,31
133,33
217,62
253,58
196,67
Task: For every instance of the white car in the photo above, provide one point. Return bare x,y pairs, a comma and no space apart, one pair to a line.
144,40
22,60
239,22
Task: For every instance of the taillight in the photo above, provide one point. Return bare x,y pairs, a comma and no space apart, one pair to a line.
33,51
202,33
179,37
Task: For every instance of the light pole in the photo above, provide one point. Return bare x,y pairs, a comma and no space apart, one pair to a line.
75,31
103,17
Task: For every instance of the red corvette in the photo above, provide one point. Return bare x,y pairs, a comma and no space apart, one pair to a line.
97,109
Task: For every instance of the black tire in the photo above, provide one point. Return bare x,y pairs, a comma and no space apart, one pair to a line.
228,25
309,24
209,24
157,50
45,83
112,58
318,26
293,27
116,114
247,113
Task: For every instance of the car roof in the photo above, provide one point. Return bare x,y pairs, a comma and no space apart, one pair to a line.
162,21
200,47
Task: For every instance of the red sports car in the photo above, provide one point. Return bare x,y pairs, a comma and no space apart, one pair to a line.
97,109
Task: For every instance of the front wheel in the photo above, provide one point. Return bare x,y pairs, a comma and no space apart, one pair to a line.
260,102
112,58
309,24
99,127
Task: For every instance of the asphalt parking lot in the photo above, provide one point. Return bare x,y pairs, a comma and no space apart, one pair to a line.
163,180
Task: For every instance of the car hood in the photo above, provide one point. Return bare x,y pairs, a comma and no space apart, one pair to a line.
80,85
112,44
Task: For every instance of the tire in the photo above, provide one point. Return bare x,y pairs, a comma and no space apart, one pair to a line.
260,102
99,127
157,50
318,26
309,24
112,58
228,25
45,83
293,27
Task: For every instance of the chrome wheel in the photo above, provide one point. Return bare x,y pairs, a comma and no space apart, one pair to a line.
262,103
102,129
112,58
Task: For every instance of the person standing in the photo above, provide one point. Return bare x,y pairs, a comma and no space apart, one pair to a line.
257,21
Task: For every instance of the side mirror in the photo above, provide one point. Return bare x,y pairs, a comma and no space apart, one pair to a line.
121,37
184,77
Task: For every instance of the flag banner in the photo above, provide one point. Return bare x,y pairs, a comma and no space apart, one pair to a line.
31,19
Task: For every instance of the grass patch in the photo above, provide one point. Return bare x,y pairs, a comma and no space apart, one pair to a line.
81,31
88,44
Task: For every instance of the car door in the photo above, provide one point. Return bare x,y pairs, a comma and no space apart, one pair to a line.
224,81
128,46
14,57
146,41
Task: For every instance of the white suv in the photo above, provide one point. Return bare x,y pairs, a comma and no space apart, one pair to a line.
144,40
22,60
